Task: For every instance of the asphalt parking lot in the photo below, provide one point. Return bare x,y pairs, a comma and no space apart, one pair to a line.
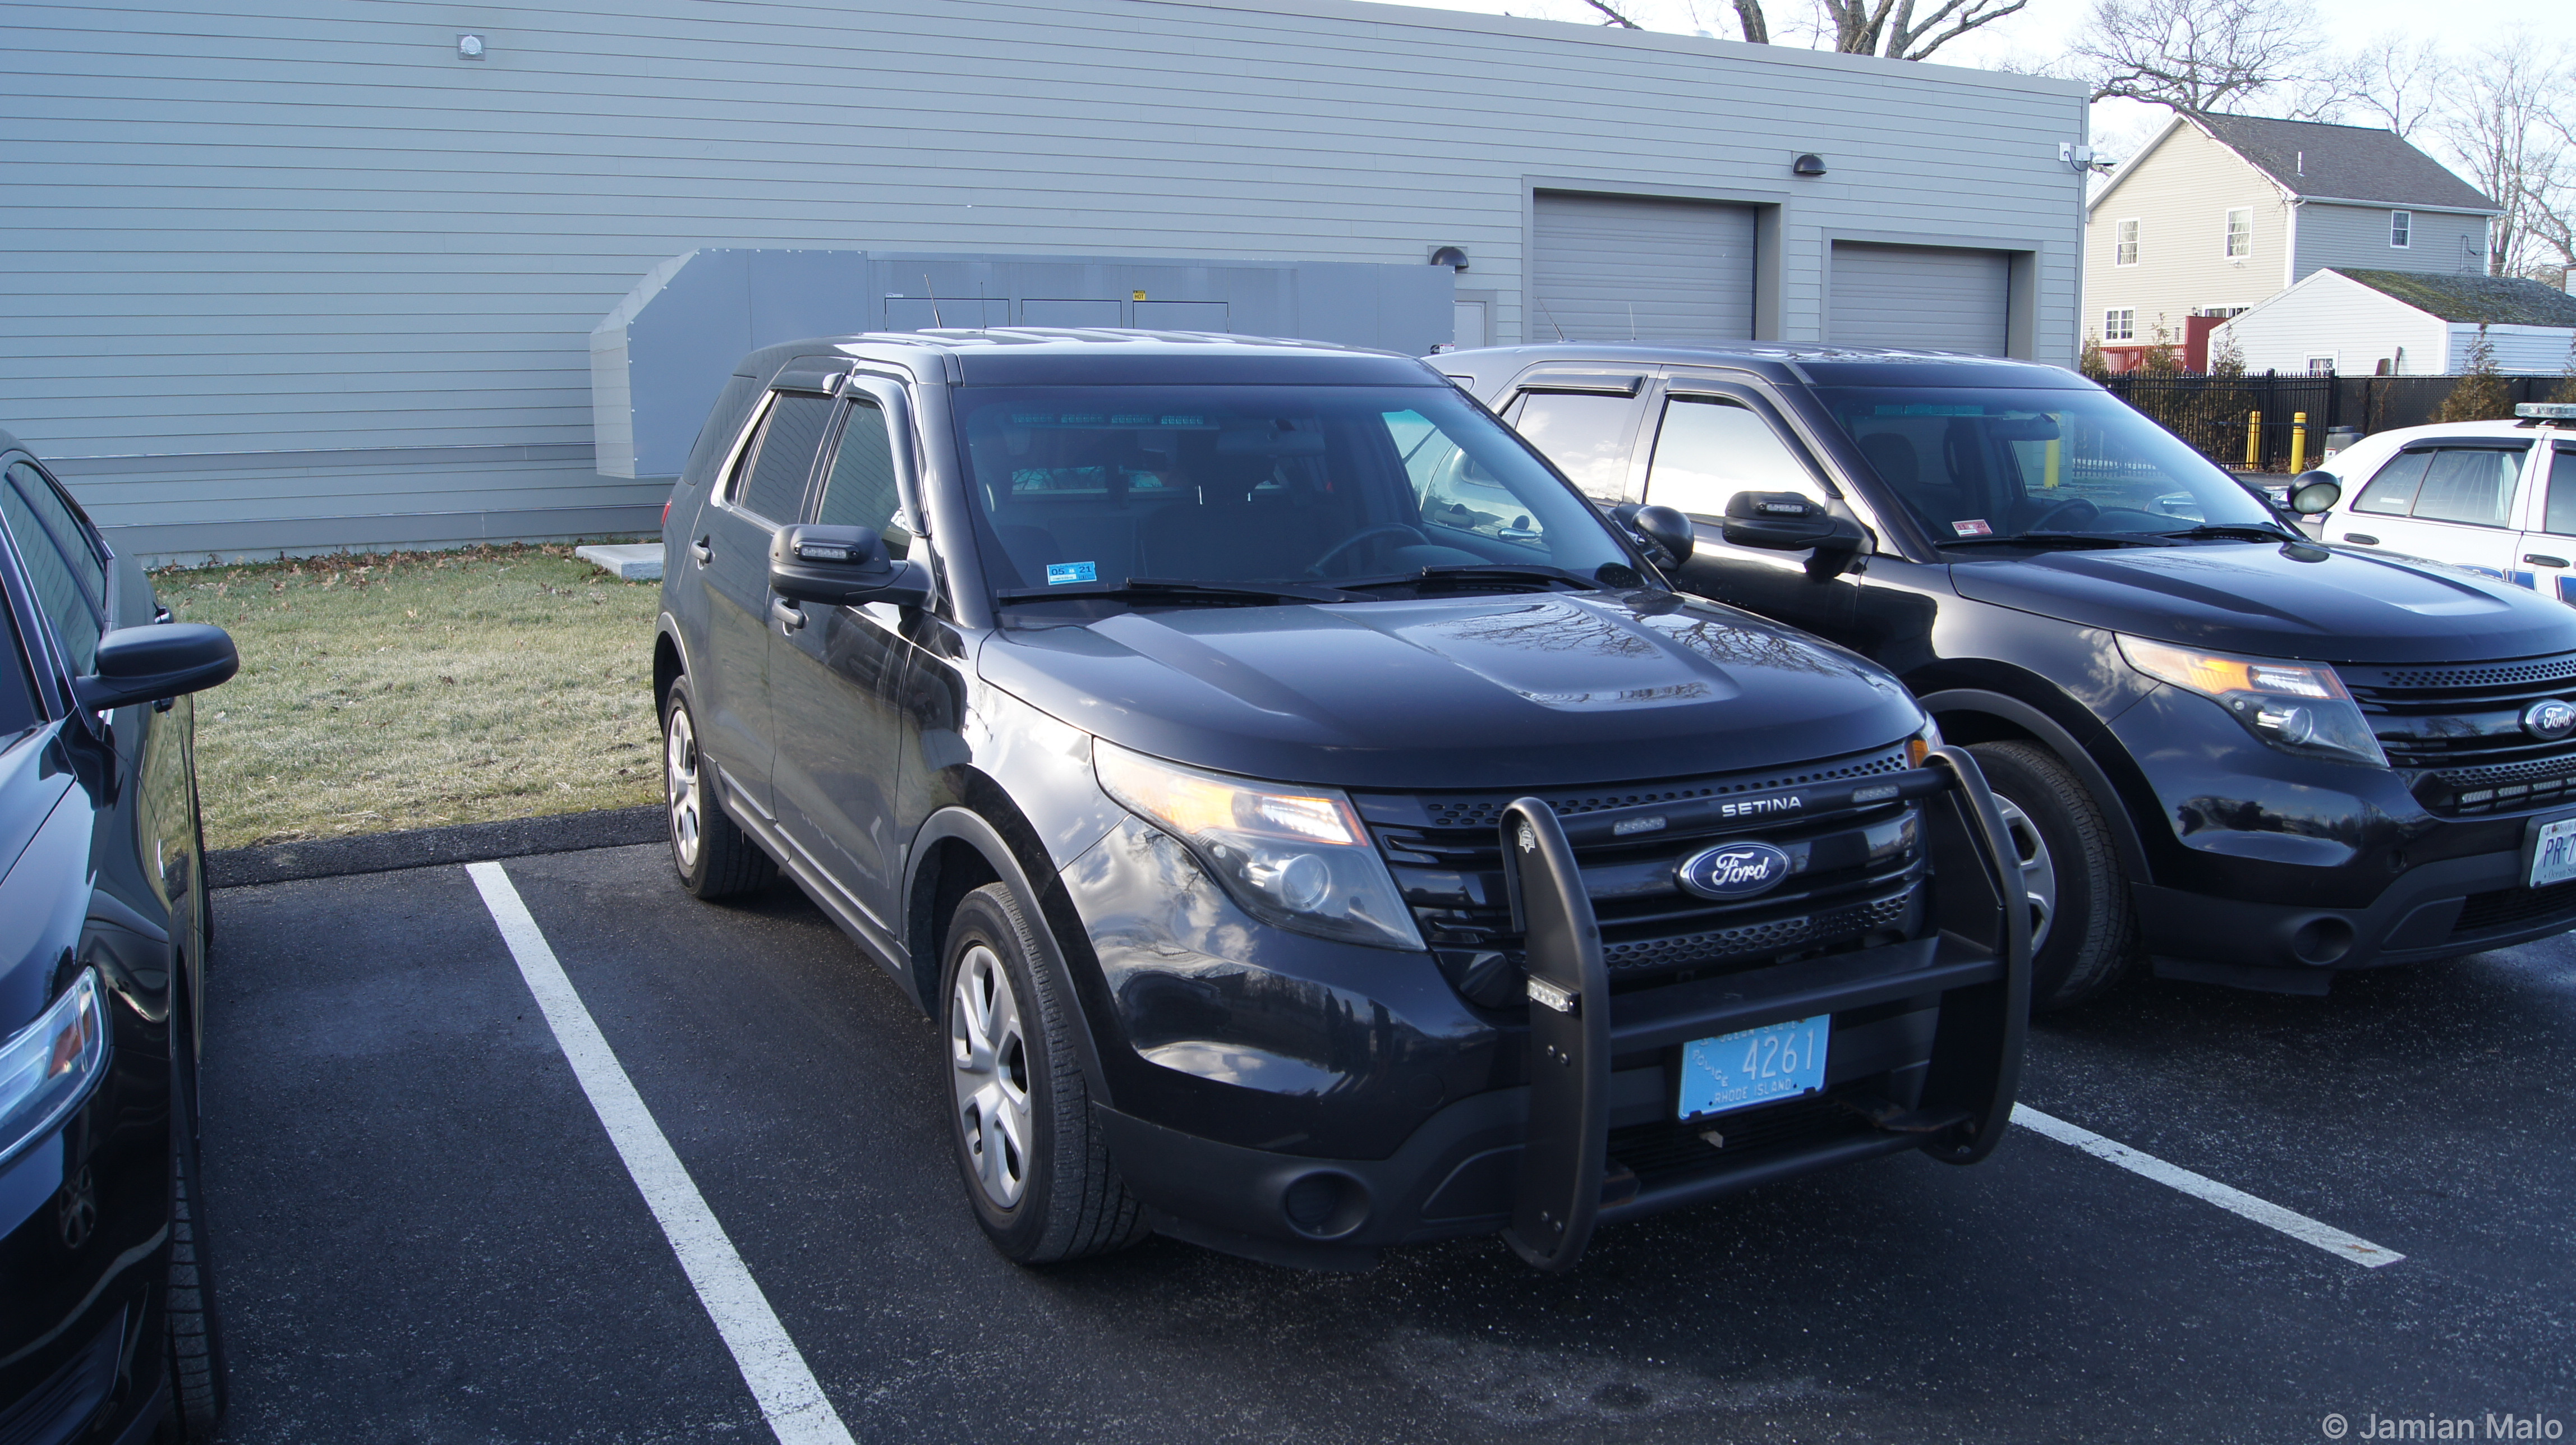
426,1233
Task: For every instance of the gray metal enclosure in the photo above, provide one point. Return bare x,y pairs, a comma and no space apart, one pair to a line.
659,359
304,276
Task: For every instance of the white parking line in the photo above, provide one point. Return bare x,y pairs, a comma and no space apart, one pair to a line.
789,1398
2298,1226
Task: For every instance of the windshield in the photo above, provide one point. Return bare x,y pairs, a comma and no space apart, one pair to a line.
1978,465
1307,487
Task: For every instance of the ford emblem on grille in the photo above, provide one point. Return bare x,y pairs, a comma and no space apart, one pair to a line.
2549,719
1733,870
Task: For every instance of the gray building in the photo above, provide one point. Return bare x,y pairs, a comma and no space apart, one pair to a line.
329,277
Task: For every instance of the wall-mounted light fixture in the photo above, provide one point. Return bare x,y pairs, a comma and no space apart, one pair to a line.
1450,256
1807,165
469,47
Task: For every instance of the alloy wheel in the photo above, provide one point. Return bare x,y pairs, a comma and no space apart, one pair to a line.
989,1072
680,787
2038,870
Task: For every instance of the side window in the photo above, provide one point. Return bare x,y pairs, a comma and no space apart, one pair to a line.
860,489
2392,492
723,420
1584,433
2472,485
70,578
1450,489
2561,514
1711,448
771,481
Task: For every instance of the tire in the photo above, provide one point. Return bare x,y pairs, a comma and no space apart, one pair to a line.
2084,926
714,856
192,1336
1035,1170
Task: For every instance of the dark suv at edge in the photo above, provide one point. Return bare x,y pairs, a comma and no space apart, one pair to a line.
2252,758
1150,707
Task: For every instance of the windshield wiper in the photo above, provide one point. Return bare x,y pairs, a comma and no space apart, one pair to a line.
2256,531
1178,591
1487,572
2056,539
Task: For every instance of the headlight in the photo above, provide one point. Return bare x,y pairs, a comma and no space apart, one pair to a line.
49,1067
1297,857
2298,707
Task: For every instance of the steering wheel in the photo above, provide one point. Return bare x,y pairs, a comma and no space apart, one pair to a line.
2050,513
1333,554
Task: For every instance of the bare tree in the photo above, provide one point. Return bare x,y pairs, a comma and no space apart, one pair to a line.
1622,21
2195,56
2504,127
1890,28
2391,81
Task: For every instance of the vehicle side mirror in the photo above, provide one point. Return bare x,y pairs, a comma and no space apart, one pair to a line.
2314,492
147,664
1661,529
1789,522
842,567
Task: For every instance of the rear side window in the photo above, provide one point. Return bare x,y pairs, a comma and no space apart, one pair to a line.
69,577
1710,449
860,489
781,459
724,419
1584,433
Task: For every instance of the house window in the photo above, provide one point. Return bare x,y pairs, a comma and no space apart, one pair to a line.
2125,250
2401,229
2240,234
2321,366
2120,324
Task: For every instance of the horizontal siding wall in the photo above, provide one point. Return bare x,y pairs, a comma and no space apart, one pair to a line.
236,227
2330,316
2180,194
2357,236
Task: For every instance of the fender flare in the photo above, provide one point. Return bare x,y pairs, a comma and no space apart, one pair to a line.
979,833
668,626
2125,839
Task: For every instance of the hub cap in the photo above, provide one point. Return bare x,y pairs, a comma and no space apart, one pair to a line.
2038,871
989,1072
680,787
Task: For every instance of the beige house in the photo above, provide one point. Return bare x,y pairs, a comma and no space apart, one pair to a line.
2219,213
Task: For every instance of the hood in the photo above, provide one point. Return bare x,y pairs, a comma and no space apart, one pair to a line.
1517,691
2321,603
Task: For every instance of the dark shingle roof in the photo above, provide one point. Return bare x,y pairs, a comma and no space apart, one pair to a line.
2495,300
2343,162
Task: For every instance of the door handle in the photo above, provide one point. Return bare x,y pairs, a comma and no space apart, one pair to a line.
786,614
2543,559
703,549
2358,537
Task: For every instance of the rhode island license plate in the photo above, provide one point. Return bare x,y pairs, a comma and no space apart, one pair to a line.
2553,852
1754,1066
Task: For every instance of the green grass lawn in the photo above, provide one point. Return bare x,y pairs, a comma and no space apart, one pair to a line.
417,689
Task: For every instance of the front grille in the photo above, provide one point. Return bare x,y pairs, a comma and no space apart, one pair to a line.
2506,907
2459,730
1670,1147
1857,874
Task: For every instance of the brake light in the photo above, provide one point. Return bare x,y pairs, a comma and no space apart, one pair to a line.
666,514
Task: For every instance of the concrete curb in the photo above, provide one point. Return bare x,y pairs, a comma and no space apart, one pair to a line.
429,847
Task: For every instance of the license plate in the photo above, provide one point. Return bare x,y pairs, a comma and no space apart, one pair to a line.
2553,852
1754,1066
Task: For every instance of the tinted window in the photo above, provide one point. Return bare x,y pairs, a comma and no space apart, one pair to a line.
1709,450
2561,517
860,490
17,688
1584,433
782,458
69,578
2473,485
723,420
2392,492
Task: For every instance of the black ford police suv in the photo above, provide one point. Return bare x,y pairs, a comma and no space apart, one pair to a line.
2251,758
1314,827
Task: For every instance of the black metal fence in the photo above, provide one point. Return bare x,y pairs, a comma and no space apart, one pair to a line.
2212,412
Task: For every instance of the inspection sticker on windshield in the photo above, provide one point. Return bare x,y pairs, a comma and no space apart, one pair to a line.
1059,573
1973,527
2553,852
1754,1066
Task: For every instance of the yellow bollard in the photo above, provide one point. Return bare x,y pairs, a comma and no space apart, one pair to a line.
2298,442
2253,440
2056,449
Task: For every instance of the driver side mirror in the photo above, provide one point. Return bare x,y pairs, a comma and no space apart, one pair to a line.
1661,529
2314,492
842,567
147,664
1789,522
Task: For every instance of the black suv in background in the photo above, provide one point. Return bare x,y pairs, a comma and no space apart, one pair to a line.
1314,827
106,1319
2252,758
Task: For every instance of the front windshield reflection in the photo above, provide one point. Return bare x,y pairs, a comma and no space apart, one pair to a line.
1977,465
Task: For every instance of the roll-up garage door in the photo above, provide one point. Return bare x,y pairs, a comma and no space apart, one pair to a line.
1609,268
1935,298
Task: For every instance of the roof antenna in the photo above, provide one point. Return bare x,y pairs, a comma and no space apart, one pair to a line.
934,301
1550,315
